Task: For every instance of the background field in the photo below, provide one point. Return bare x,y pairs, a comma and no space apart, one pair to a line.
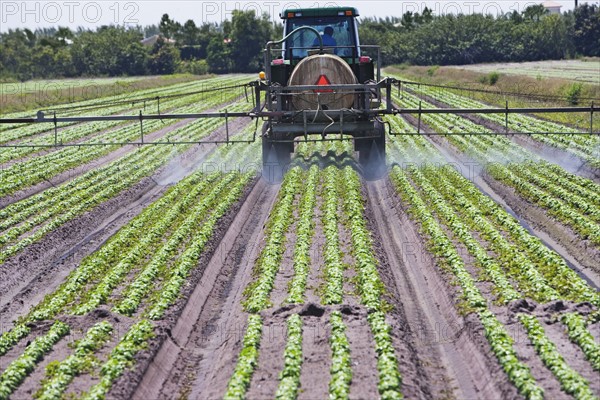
586,70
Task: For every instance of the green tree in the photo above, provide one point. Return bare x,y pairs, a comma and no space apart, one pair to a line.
164,58
109,51
535,12
188,35
219,55
586,33
249,34
168,27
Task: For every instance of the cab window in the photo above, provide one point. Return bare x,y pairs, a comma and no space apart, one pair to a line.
300,43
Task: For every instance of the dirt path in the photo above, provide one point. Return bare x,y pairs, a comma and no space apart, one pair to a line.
199,356
455,361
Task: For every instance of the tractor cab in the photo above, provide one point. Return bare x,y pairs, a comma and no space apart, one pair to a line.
337,27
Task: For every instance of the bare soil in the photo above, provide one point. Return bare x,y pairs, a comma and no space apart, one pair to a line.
442,353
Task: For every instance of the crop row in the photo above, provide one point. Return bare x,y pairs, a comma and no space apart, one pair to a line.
565,201
341,364
109,181
29,172
542,273
123,245
59,376
178,274
19,132
578,333
304,236
121,357
162,241
463,196
17,371
267,265
333,292
136,339
553,267
247,361
570,381
290,375
580,145
448,258
584,224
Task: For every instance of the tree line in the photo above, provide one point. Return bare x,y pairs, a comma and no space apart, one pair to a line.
236,45
531,35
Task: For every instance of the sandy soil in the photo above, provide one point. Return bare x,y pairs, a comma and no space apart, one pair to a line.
42,266
206,337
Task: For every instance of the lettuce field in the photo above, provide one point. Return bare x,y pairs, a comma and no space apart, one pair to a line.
471,270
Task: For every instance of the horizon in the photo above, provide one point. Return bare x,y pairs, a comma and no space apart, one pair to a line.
92,14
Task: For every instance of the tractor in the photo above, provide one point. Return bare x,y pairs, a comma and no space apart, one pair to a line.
319,80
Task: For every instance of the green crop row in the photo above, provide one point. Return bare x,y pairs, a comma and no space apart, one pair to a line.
247,361
59,376
448,258
149,244
290,375
579,334
580,145
178,274
118,175
370,287
19,369
487,263
268,262
341,364
305,232
122,357
570,381
333,292
553,267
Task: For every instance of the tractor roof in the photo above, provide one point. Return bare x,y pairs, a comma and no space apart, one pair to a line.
319,12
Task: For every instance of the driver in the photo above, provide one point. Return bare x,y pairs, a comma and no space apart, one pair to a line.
328,40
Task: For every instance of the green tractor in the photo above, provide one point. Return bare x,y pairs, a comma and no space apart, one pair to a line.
320,81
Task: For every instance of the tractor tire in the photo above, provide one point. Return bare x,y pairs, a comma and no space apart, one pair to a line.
371,153
276,158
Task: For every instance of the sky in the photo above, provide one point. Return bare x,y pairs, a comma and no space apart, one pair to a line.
91,14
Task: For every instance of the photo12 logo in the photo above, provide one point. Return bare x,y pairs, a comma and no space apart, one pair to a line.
213,11
69,12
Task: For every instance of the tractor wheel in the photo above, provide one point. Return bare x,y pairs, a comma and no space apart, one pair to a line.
276,158
371,153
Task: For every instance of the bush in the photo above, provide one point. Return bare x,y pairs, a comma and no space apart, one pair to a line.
493,77
489,79
574,93
432,70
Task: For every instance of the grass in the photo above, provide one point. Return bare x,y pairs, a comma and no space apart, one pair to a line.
33,95
581,70
468,79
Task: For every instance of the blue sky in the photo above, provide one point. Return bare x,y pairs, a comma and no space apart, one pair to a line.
90,14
